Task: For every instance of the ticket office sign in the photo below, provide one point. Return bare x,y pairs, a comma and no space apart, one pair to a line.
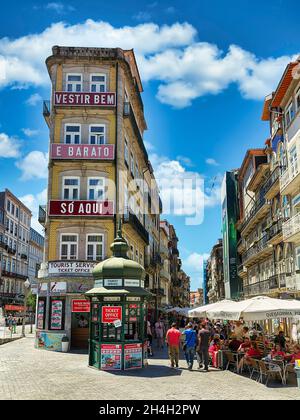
110,314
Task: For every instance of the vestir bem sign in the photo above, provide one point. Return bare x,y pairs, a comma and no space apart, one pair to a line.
81,208
84,99
111,314
70,267
82,151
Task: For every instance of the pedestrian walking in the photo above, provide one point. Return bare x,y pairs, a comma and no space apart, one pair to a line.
14,325
203,346
159,332
149,339
9,322
173,340
190,345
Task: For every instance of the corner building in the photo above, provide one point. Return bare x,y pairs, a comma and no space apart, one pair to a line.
98,169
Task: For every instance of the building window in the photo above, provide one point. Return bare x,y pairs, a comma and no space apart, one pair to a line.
96,188
289,114
97,134
71,188
126,153
98,83
74,82
132,164
8,206
72,134
94,249
68,247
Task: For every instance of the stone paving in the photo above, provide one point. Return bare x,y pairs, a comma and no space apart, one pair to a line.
28,373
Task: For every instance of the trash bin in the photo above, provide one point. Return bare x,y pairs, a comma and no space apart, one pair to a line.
65,344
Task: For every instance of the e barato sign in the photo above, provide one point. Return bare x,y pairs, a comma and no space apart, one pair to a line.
83,151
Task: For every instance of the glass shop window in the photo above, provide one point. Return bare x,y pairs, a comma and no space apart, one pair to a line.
132,327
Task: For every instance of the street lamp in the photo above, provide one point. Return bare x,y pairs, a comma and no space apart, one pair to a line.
26,290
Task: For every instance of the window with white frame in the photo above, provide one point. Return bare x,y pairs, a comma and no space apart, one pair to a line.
126,152
94,247
68,246
98,83
289,114
96,188
71,188
74,82
72,133
97,134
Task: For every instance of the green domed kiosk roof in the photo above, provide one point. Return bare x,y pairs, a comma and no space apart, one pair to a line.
119,265
118,274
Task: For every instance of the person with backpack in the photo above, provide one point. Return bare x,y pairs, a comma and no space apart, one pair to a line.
189,346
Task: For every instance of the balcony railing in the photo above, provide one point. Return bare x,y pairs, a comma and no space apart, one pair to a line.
128,112
275,229
274,177
46,108
165,274
253,211
256,249
42,214
132,219
2,244
291,227
6,273
288,176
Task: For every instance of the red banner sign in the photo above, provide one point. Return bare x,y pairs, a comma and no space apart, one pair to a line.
84,99
80,208
81,305
111,314
14,308
83,151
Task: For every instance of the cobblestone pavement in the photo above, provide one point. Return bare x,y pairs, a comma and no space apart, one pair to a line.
28,373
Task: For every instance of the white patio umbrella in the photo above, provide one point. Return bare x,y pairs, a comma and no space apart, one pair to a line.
257,308
201,311
175,309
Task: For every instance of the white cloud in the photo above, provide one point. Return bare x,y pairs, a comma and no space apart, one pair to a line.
184,192
33,202
185,160
142,16
193,266
212,162
9,146
30,133
34,99
34,165
184,67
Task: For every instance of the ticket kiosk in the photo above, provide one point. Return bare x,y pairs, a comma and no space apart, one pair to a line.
118,314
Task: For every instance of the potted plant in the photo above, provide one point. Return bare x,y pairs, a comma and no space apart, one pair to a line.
65,344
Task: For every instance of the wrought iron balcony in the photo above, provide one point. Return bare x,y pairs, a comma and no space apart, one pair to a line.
258,250
275,232
256,212
132,219
271,186
128,112
291,229
46,108
42,215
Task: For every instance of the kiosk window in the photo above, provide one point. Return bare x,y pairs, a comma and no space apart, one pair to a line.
132,327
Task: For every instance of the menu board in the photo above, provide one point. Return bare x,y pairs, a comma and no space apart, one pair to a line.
56,315
133,356
40,315
111,356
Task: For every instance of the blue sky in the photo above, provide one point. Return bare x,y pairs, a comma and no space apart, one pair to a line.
205,67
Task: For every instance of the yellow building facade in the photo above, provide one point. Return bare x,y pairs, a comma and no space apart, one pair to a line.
98,172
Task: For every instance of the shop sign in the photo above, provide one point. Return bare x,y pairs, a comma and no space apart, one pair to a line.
81,208
58,287
112,299
133,356
79,287
85,99
133,283
49,341
133,299
40,314
14,308
111,314
98,283
80,305
111,356
83,151
82,268
56,315
113,282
